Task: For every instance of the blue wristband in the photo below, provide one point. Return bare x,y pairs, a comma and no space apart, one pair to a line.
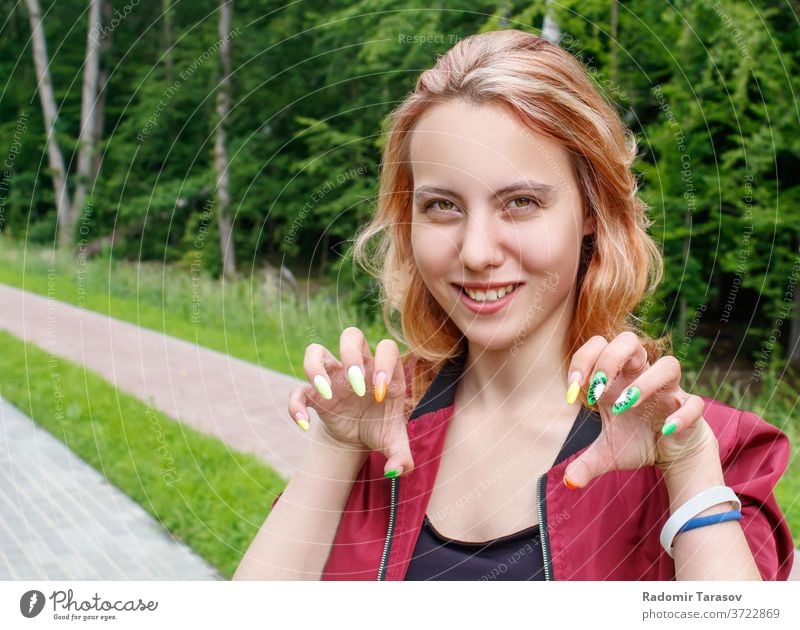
711,519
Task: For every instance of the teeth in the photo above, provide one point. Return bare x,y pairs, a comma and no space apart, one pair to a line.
492,295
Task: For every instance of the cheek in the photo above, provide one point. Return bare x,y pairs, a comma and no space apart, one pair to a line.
431,252
549,246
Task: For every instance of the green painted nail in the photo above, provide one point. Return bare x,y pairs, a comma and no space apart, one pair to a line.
323,387
391,473
626,399
596,387
669,428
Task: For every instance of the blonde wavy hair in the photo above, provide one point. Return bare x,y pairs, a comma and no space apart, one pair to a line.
548,91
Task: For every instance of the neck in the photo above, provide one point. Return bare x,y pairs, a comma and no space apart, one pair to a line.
531,374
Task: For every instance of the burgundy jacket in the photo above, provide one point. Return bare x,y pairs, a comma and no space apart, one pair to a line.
608,530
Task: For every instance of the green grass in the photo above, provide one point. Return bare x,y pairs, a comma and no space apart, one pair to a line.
244,318
204,494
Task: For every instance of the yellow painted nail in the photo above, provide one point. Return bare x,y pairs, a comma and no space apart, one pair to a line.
323,387
572,392
356,378
301,421
574,388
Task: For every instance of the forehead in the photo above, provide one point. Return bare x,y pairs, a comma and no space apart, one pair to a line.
484,144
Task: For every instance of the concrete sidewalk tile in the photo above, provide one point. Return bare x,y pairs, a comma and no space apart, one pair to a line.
54,530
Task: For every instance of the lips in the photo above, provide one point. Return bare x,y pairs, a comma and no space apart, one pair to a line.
485,307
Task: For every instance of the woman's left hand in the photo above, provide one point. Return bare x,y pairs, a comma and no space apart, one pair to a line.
638,404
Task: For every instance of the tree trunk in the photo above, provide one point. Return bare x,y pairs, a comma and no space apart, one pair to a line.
551,31
86,138
102,83
221,144
50,114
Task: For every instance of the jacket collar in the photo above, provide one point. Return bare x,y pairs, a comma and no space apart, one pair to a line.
442,391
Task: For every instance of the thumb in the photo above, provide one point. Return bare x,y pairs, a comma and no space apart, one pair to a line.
585,468
398,457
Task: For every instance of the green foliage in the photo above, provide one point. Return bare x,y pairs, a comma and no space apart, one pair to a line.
706,87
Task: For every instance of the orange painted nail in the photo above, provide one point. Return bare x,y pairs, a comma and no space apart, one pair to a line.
380,386
569,484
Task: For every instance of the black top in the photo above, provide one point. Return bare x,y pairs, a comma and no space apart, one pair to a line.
517,556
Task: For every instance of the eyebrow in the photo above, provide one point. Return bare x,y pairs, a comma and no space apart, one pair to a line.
524,184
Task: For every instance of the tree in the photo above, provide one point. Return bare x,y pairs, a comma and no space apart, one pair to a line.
50,114
221,163
67,211
89,119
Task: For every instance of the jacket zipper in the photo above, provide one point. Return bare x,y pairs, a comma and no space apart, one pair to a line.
544,535
387,545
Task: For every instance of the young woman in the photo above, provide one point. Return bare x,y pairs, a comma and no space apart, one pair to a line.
533,432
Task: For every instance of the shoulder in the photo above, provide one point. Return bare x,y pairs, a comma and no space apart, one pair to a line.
754,454
738,430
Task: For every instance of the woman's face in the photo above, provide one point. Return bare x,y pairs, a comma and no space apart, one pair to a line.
495,204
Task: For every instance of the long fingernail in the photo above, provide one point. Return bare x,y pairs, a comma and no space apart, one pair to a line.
301,421
394,472
596,387
626,399
574,388
323,387
569,484
669,428
356,378
380,386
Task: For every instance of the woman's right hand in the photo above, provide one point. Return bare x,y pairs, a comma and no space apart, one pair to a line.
353,414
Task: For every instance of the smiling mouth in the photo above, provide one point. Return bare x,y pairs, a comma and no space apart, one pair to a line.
487,297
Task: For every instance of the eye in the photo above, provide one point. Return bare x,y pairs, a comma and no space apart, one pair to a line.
444,204
524,203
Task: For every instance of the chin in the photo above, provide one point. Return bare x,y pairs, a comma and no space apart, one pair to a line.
493,341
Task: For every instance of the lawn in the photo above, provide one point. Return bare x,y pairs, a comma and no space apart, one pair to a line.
215,500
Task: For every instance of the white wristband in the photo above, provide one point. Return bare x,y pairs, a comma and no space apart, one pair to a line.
695,505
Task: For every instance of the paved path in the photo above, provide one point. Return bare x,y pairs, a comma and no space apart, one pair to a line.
61,519
240,403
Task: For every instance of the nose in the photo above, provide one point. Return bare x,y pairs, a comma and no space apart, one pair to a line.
481,244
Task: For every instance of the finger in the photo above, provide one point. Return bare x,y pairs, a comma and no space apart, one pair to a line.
581,365
354,349
315,363
388,376
592,463
686,417
398,454
661,381
622,356
298,407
